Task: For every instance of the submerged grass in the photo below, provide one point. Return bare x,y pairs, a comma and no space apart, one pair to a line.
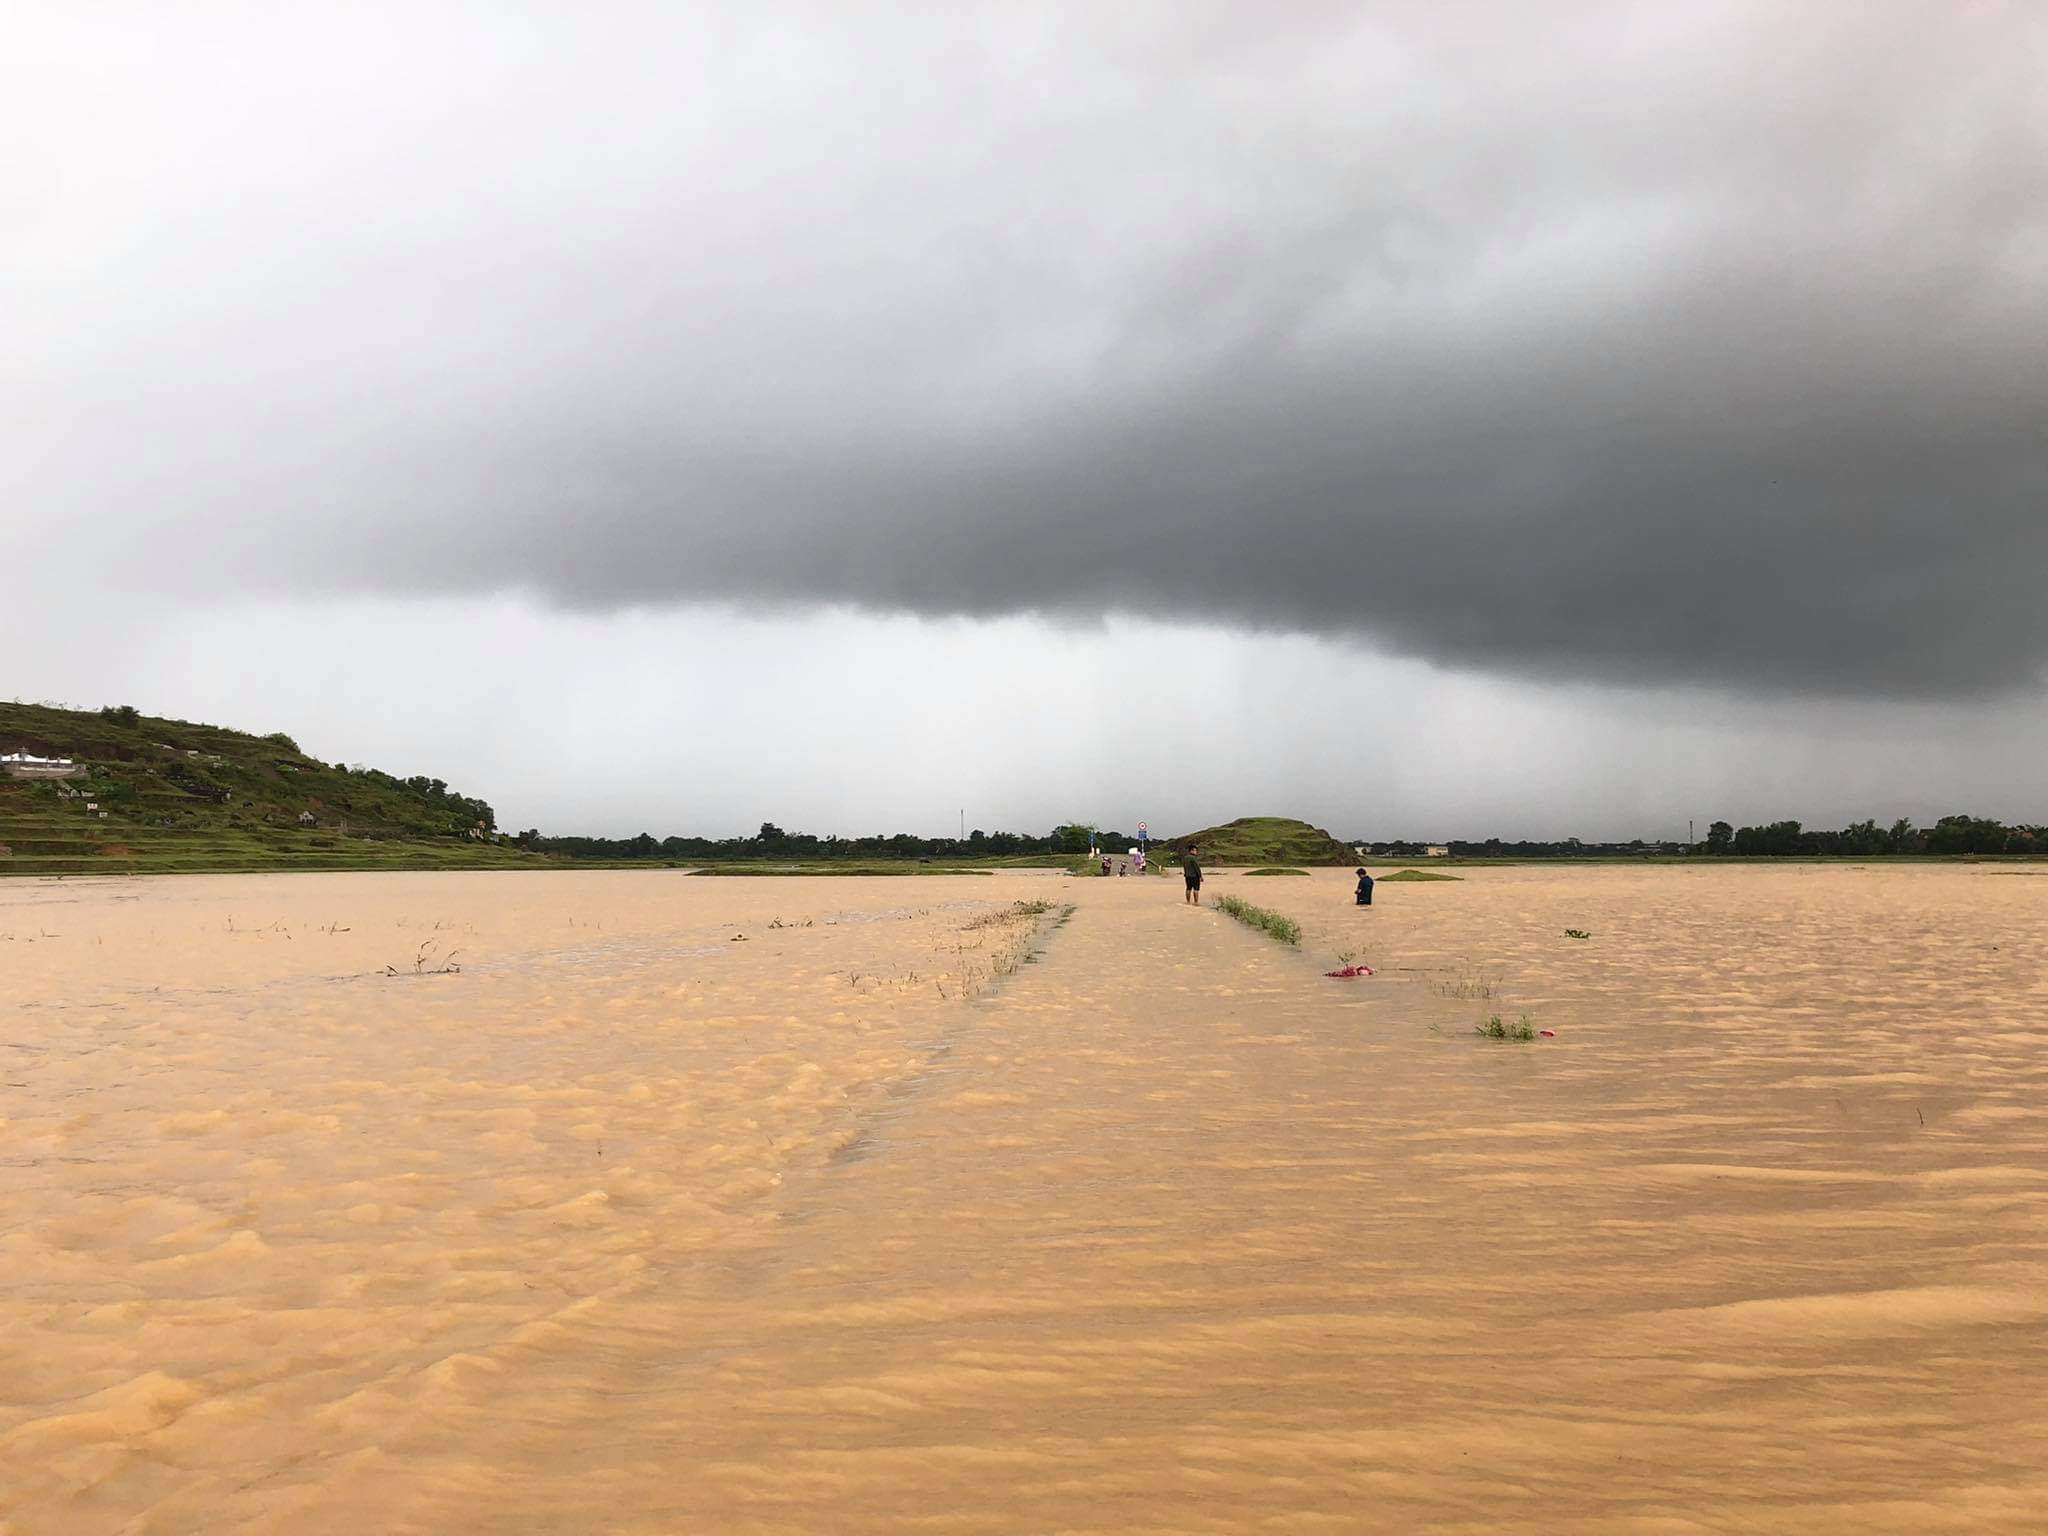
1469,985
1285,929
1016,911
1416,874
1276,870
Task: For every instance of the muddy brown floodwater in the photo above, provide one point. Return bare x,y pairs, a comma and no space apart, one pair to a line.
821,1205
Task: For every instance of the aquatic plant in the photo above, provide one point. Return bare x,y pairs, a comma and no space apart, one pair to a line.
1496,1028
420,967
1470,986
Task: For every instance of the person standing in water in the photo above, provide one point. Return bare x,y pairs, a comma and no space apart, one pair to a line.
1364,889
1191,868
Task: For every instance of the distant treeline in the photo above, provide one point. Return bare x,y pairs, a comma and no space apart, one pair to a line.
1778,839
1864,839
771,842
1950,835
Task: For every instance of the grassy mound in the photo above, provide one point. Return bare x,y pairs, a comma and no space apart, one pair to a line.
1416,874
1278,871
1267,840
842,867
170,796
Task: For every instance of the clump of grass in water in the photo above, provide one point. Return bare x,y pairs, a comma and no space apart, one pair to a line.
1009,914
1417,874
1469,987
1577,933
420,967
1285,929
1277,870
1497,1028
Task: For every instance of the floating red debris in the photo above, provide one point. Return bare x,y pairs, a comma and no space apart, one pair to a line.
1351,970
1548,1034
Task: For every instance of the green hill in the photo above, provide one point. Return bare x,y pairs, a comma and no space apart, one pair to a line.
162,796
1267,840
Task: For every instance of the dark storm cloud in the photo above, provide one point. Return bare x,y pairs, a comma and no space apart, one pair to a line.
1650,344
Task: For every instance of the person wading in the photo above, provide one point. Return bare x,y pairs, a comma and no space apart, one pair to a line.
1192,869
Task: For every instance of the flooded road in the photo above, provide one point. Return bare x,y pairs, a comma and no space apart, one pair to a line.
672,1204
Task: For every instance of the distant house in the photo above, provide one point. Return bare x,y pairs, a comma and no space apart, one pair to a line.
1436,851
26,765
306,818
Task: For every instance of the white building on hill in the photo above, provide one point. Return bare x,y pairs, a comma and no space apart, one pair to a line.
26,765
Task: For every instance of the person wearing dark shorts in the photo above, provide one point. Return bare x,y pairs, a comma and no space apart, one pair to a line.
1192,871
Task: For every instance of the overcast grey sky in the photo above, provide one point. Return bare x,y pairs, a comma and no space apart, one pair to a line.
1485,418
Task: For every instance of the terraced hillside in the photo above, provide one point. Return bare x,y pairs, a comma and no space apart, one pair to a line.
161,796
1267,840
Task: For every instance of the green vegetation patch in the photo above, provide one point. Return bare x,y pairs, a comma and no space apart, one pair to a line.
1495,1028
1285,929
1277,870
1416,874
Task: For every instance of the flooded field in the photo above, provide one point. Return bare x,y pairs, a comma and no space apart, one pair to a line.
642,1203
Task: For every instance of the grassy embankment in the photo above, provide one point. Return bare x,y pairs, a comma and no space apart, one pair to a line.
171,796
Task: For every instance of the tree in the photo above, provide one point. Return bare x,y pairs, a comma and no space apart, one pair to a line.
1074,837
1719,836
1966,834
771,834
121,714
